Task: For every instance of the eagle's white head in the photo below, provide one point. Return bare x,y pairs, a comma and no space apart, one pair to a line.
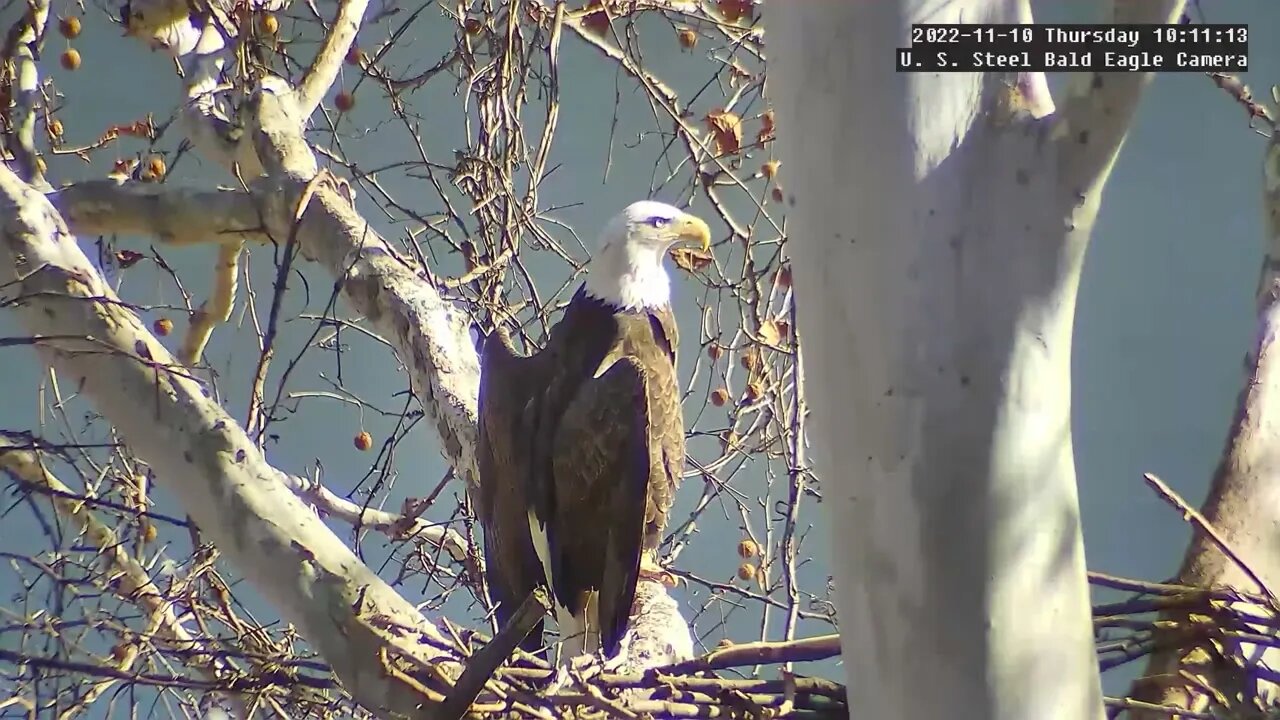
627,269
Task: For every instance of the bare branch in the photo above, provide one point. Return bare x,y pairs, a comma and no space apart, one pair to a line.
1099,109
22,140
169,213
392,524
134,583
324,69
203,456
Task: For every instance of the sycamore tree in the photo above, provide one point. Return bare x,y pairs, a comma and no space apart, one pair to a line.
367,186
183,562
940,224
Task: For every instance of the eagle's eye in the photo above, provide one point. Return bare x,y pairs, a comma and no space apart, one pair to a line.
659,222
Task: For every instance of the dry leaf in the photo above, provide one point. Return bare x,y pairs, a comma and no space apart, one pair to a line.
728,439
127,258
690,259
770,334
727,129
595,19
766,127
734,10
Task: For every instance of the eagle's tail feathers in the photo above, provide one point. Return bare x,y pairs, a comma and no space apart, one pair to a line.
572,636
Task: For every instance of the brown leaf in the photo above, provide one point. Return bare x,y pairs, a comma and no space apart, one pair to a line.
690,259
127,258
734,10
727,129
770,332
766,127
595,18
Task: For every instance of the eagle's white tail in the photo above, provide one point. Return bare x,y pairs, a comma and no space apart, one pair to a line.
580,634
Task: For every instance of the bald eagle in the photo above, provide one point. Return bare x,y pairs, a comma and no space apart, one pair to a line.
581,445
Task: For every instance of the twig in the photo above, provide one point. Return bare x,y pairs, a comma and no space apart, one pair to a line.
1193,516
134,584
762,653
391,524
483,663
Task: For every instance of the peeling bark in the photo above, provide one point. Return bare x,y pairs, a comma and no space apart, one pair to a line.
939,228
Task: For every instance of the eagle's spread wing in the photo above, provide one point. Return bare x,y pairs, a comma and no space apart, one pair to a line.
601,469
504,457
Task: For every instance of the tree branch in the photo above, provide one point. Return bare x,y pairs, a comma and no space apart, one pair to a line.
1093,122
133,582
22,137
392,524
1243,508
170,213
324,69
345,611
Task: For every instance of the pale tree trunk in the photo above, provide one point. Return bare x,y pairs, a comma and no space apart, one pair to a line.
938,230
1194,662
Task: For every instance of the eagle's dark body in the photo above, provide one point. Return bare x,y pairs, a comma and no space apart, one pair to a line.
580,453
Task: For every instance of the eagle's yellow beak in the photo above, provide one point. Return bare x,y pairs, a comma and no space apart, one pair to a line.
693,229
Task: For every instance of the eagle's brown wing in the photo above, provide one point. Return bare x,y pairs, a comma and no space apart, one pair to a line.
666,420
601,468
512,569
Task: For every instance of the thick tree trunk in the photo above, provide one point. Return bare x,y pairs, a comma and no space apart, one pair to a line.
938,230
1244,507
